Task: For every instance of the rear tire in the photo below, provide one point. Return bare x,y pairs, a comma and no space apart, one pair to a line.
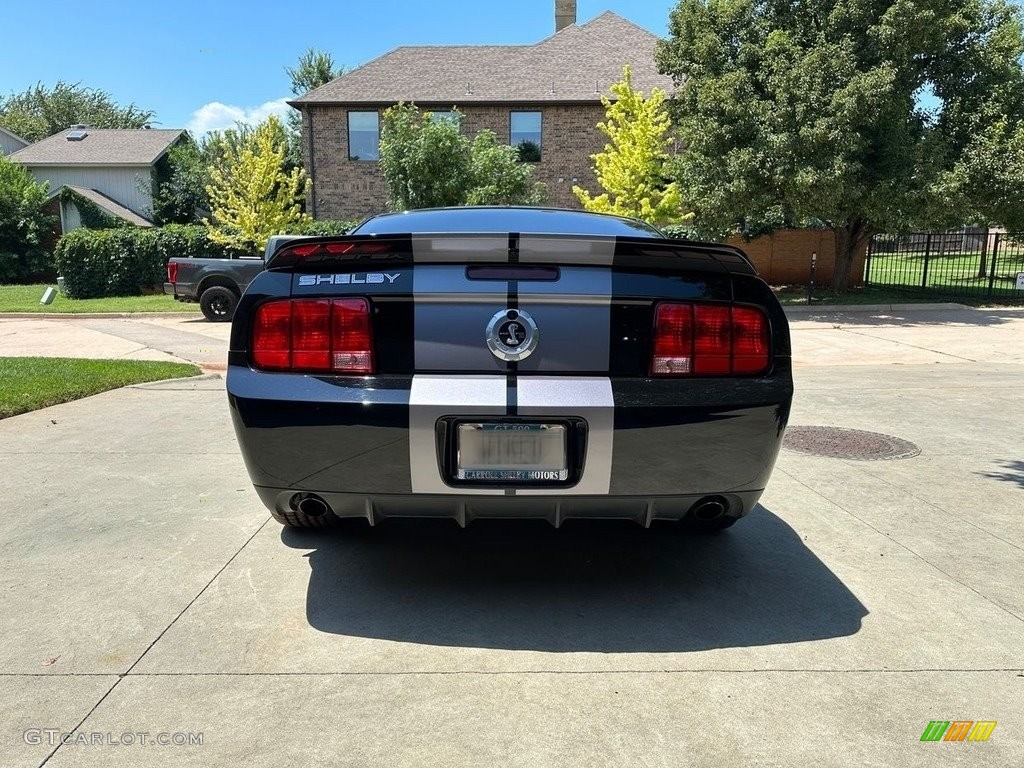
218,304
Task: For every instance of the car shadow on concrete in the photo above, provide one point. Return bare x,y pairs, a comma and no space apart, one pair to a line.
596,586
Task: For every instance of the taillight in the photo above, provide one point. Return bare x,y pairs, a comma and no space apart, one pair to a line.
750,340
698,339
172,272
313,335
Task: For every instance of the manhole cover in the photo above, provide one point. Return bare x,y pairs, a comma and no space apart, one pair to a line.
847,443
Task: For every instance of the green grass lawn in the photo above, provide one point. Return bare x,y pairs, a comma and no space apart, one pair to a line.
954,273
25,298
30,383
797,295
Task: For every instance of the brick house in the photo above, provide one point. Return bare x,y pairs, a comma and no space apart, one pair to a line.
548,93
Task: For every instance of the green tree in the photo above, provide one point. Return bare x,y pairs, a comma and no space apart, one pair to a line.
529,151
632,167
24,226
425,162
498,177
39,111
252,196
219,147
181,178
790,112
314,68
987,181
428,163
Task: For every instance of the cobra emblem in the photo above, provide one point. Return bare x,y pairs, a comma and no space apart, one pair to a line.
512,335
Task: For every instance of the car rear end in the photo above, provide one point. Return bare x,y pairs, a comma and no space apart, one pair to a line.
510,373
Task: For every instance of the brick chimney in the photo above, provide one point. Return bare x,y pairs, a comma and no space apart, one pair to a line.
565,14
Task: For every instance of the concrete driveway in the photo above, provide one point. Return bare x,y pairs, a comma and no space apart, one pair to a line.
147,596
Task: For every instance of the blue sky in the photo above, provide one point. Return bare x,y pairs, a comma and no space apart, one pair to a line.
202,65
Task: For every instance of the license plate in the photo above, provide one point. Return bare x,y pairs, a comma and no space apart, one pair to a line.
510,452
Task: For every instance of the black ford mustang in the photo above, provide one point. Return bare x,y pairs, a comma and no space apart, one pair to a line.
509,362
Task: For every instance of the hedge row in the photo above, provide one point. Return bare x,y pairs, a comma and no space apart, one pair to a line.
121,262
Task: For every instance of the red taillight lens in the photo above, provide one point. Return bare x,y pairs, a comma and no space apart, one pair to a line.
271,336
313,335
673,340
750,342
352,339
172,272
710,339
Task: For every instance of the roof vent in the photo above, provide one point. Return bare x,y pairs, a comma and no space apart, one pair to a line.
76,135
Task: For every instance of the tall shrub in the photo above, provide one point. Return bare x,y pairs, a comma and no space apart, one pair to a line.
123,261
23,225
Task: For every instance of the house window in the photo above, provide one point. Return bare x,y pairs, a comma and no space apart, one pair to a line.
445,114
525,134
363,136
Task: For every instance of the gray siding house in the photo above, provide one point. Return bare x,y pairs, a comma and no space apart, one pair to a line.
111,168
10,142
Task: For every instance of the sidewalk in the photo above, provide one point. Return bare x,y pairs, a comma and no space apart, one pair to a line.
137,337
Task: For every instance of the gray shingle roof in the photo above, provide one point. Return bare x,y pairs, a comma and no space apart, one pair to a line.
102,146
577,64
108,204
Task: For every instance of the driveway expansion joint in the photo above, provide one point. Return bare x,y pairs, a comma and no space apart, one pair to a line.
903,546
122,675
906,344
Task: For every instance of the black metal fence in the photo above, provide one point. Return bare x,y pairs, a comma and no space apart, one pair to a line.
969,263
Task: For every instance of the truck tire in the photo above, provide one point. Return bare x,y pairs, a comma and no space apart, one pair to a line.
218,304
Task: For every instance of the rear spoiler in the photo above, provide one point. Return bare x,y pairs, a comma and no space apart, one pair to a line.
314,254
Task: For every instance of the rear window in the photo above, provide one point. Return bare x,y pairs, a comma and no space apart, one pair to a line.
533,220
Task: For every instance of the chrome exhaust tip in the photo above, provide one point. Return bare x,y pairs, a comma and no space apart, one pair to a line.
311,505
709,508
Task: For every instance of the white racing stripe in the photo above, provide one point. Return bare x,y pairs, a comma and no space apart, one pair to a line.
460,249
596,251
586,397
432,397
547,249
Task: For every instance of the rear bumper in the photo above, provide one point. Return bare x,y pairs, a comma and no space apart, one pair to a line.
178,292
368,445
554,509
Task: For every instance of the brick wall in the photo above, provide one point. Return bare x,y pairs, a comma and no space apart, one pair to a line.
346,189
343,189
784,257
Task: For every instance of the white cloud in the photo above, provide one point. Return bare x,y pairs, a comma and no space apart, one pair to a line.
216,116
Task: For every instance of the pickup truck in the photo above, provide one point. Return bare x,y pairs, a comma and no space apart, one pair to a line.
216,283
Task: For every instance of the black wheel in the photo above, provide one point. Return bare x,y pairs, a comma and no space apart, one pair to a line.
218,304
